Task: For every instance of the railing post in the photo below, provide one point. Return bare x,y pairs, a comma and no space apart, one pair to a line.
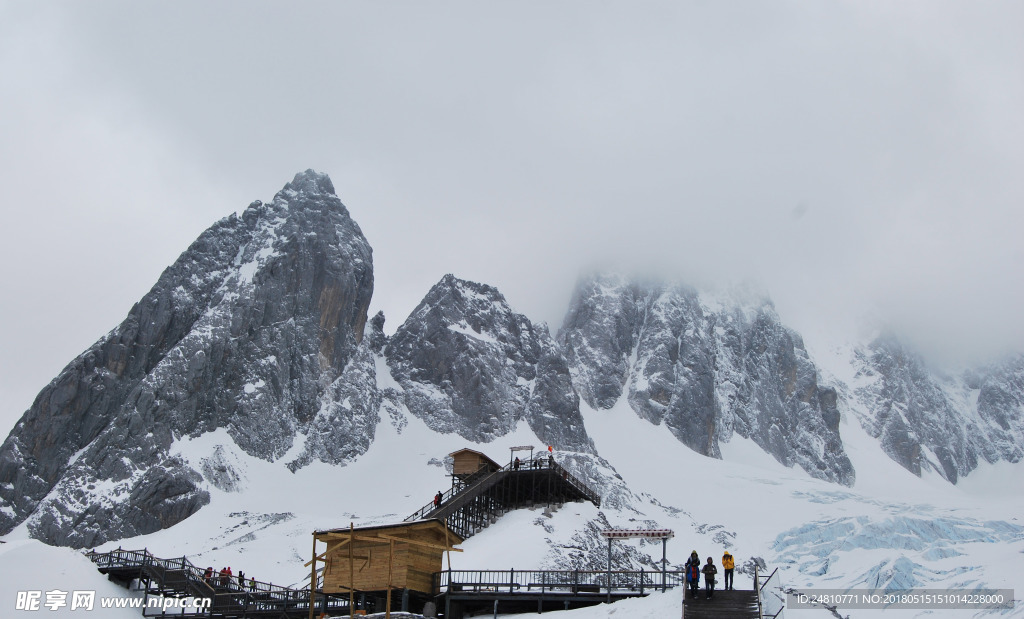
641,581
757,588
609,583
511,579
664,562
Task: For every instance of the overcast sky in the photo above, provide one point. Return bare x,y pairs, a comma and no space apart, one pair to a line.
855,159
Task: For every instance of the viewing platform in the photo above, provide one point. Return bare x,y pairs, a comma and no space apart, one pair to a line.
482,491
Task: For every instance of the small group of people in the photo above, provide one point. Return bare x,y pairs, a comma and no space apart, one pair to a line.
225,578
694,569
438,498
537,462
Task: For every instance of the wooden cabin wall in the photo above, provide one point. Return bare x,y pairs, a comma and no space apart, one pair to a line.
413,566
466,463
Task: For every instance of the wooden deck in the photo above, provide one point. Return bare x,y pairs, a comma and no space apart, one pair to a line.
735,604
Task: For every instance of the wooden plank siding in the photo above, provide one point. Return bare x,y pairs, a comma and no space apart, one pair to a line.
465,462
413,565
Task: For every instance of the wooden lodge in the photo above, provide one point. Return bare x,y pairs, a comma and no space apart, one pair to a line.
467,462
381,558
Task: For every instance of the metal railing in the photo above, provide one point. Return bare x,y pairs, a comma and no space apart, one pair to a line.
555,582
770,603
229,596
482,476
471,482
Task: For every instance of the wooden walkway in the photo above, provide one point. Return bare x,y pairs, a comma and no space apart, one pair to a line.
179,578
474,505
735,604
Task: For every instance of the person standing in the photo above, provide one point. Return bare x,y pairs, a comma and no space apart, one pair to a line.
692,568
709,577
727,566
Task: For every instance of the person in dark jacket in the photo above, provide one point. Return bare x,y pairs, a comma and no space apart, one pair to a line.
709,577
692,569
437,499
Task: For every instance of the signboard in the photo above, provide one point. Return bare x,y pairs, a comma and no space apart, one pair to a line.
643,533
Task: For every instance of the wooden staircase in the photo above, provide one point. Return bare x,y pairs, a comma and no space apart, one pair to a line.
735,604
485,496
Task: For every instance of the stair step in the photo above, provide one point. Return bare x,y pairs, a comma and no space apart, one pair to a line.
724,605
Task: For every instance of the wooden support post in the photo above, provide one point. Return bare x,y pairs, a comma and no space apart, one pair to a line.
312,579
391,558
448,551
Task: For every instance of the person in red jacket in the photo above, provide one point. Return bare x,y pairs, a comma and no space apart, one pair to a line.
693,573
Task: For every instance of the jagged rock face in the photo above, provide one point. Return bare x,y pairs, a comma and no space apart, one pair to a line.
255,328
926,420
1001,408
707,372
470,365
599,334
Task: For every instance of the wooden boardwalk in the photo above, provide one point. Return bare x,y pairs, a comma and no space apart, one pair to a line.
482,498
735,604
179,578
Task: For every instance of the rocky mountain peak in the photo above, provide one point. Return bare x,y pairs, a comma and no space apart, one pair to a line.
707,367
470,365
310,182
250,330
929,420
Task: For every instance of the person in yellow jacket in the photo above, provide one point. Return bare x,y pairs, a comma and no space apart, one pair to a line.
727,566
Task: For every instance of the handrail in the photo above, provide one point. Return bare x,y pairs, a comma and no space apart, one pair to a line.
144,559
757,588
762,611
538,462
451,493
556,580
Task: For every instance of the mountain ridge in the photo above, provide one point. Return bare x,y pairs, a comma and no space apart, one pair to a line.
261,328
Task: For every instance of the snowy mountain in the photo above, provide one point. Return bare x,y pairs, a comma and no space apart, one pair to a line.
250,379
252,329
471,366
932,420
708,368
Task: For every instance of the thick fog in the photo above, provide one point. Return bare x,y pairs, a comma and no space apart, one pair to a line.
859,161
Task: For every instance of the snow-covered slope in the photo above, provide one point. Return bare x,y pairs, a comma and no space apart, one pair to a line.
32,567
890,528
